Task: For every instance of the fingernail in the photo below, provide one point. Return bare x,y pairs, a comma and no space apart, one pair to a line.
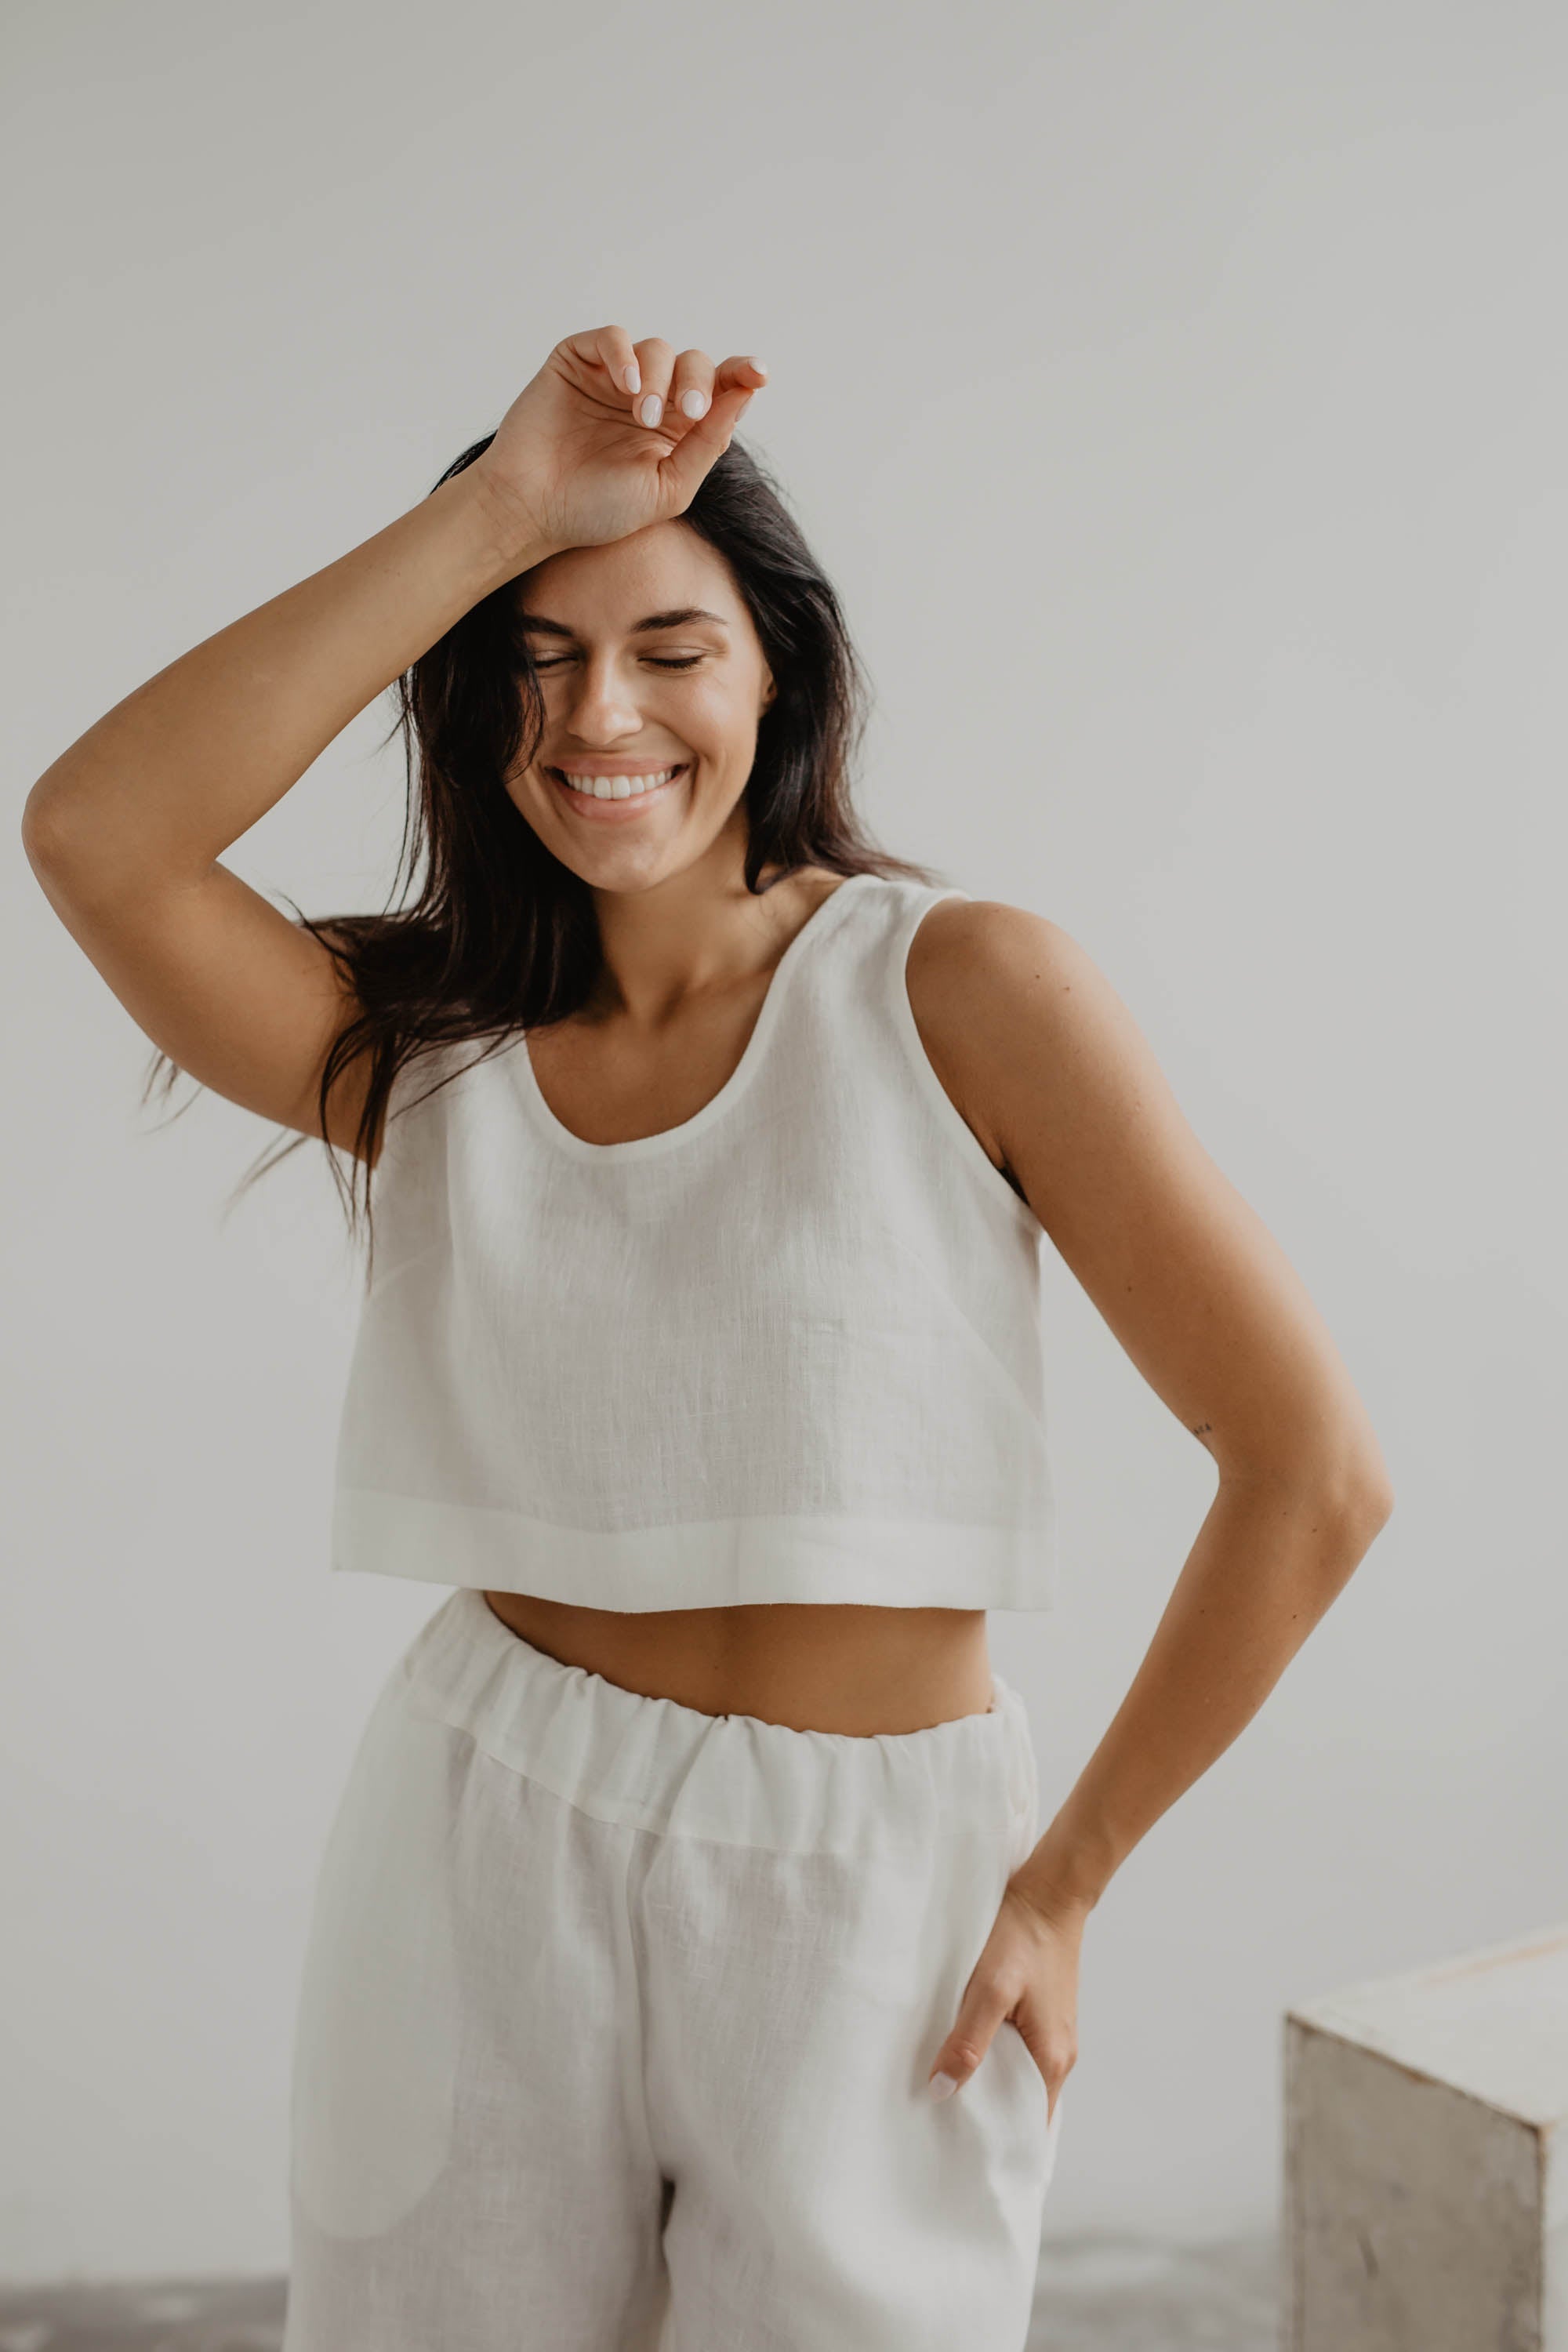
632,377
942,2087
652,409
693,403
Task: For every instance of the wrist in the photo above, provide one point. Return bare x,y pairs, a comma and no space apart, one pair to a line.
1065,1872
510,537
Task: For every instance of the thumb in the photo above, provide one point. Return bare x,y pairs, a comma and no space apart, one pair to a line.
703,443
982,2008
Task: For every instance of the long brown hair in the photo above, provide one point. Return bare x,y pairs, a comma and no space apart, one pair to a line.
499,935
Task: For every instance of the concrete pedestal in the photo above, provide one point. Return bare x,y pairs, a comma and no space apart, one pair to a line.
1426,2186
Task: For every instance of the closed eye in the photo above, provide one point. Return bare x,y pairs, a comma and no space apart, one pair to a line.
659,661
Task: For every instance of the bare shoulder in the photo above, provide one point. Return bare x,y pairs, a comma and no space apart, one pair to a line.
1007,1004
990,954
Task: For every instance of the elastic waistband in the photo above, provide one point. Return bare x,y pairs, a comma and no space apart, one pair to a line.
655,1764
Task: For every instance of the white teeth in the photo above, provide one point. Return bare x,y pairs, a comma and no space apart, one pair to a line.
618,788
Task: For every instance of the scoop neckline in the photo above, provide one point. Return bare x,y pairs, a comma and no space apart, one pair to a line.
638,1147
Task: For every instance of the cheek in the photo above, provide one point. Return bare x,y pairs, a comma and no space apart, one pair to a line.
719,721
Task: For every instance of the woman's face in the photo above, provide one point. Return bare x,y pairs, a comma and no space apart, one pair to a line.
652,679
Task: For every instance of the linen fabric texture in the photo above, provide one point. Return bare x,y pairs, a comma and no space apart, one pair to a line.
787,1351
616,2018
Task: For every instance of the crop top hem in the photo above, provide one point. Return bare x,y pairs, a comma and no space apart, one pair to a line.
921,1563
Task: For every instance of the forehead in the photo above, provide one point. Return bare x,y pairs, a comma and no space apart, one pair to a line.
608,590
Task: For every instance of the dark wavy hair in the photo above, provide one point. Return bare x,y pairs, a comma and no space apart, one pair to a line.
499,935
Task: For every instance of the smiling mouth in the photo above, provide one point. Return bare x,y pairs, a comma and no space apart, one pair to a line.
583,786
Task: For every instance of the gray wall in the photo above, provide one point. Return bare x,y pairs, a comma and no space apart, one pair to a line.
1176,396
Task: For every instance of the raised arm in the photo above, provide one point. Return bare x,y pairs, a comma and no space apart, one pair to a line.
124,832
126,829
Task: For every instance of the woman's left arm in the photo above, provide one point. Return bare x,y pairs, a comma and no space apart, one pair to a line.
1046,1064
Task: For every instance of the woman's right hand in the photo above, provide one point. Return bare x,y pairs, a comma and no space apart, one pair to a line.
603,442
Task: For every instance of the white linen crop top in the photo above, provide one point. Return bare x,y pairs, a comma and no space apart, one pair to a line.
786,1350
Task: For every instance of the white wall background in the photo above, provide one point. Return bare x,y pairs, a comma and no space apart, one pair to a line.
1176,396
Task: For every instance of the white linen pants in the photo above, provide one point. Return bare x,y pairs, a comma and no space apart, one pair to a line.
616,2018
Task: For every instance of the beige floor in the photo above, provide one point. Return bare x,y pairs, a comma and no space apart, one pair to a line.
1125,2294
1097,2294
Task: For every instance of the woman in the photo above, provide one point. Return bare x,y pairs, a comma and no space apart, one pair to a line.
693,1845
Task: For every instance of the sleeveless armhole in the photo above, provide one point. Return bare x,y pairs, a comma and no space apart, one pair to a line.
948,1116
427,1072
408,1184
414,1074
412,1155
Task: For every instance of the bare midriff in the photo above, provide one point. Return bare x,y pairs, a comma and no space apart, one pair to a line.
814,1667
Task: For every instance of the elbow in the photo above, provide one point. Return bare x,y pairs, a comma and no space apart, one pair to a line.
1363,1510
1351,1496
1363,1491
1376,1504
1360,1502
76,864
51,830
41,827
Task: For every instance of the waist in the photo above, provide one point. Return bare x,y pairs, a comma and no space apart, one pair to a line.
836,1667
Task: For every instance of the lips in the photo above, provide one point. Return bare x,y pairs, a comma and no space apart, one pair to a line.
605,796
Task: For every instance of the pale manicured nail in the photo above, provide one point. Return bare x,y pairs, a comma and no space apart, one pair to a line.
632,377
652,409
942,2087
693,403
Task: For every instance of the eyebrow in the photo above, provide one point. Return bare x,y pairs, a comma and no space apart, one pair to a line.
539,626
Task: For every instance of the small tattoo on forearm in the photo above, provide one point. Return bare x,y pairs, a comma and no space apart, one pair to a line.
1204,1429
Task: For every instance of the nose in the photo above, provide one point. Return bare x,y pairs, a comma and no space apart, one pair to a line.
602,711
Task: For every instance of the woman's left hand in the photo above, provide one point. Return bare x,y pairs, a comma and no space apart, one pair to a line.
1027,1974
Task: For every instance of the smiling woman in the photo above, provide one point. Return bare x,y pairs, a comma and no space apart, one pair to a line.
690,1858
645,714
604,777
